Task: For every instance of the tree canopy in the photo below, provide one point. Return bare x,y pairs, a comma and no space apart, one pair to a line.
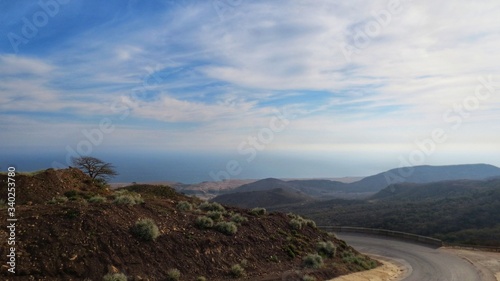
95,168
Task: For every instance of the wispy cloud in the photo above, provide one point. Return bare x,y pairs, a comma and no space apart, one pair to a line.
187,74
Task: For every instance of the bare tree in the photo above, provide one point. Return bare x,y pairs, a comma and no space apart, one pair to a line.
95,168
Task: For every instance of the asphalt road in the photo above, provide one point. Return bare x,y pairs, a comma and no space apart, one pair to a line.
423,263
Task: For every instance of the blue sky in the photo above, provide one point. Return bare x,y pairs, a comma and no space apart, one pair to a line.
356,87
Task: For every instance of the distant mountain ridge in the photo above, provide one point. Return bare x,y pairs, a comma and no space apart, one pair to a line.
364,188
264,198
425,174
436,190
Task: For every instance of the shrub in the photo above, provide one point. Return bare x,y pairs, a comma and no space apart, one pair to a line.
215,215
3,204
58,200
128,198
204,222
258,211
173,275
237,218
201,278
115,277
71,194
291,250
362,261
207,206
310,223
184,206
296,224
308,278
327,249
237,271
97,199
146,230
71,214
274,258
228,228
313,261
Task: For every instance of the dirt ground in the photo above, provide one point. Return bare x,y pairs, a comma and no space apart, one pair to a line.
487,263
389,271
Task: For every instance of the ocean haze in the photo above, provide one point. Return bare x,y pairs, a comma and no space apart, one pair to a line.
191,167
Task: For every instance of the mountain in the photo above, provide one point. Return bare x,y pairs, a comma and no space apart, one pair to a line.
366,187
264,184
459,211
424,174
71,229
263,198
318,189
435,190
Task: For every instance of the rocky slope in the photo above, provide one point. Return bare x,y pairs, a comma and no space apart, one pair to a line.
71,229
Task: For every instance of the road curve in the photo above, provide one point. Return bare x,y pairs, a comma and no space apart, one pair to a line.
424,263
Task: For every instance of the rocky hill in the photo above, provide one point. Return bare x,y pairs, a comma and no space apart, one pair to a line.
321,189
461,211
264,198
68,228
425,174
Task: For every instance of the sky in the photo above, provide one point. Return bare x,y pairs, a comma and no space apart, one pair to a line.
207,90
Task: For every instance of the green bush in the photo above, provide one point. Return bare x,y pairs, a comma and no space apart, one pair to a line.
3,204
204,222
184,206
115,277
228,228
296,224
310,223
237,218
237,271
326,249
313,261
215,215
58,200
214,206
173,275
97,199
201,278
308,278
128,198
364,262
71,194
146,230
258,211
274,258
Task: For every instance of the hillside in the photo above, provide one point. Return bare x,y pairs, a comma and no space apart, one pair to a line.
425,174
84,232
456,211
366,187
318,189
263,198
434,190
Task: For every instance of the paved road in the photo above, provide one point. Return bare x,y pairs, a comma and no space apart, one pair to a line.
424,263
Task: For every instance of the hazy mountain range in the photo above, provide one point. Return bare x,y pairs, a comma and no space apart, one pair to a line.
364,188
